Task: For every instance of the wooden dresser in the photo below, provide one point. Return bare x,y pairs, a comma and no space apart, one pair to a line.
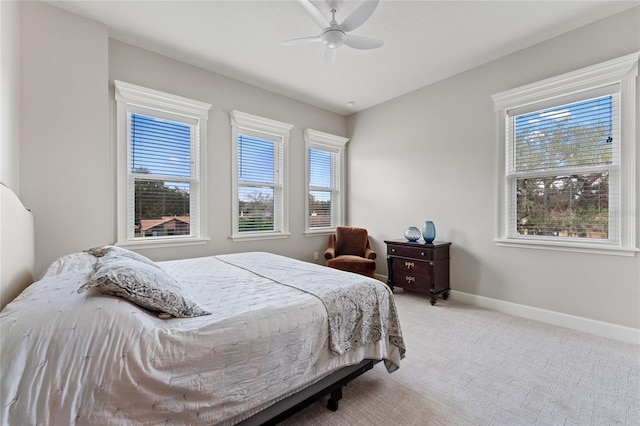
420,267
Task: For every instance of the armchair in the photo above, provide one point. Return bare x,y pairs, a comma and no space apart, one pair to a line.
349,250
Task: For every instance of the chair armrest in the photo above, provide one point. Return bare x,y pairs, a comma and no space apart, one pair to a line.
330,253
370,254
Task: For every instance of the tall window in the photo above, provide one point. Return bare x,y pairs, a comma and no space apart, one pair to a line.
569,160
325,183
259,163
160,178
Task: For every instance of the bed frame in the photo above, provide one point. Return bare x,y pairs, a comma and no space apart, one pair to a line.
17,262
329,385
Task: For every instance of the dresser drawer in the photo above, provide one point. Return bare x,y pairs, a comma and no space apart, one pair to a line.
411,266
417,252
410,281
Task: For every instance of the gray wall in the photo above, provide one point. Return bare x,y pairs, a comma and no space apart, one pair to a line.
68,145
141,67
431,154
64,132
10,100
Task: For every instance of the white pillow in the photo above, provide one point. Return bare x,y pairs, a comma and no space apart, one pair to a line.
115,251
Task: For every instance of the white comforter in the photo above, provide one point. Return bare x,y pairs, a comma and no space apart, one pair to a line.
69,358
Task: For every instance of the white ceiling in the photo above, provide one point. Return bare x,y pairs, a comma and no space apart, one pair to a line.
425,41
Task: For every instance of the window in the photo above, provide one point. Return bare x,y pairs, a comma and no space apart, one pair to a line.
160,176
325,183
568,149
259,165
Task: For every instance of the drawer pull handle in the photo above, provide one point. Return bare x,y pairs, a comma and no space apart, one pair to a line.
393,250
422,253
410,279
409,265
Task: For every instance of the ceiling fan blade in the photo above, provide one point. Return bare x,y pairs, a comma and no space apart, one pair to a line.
303,40
317,16
329,56
360,42
360,15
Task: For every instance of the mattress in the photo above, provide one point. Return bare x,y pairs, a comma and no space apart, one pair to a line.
70,358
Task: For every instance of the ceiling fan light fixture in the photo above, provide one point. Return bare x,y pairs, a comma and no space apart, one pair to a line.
333,38
335,35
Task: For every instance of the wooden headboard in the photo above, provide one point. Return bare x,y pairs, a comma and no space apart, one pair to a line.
17,257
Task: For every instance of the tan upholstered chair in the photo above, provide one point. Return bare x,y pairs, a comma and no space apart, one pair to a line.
349,250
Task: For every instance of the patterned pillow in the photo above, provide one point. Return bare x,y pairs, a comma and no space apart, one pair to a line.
115,251
99,251
146,285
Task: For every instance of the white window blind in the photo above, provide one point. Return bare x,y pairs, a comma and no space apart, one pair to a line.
325,182
259,185
324,185
564,164
161,175
260,164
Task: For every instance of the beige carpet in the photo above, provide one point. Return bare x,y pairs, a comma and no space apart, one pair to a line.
469,366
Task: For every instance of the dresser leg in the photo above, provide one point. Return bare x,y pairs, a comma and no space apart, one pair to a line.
389,273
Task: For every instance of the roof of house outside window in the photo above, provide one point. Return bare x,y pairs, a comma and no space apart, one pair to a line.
146,224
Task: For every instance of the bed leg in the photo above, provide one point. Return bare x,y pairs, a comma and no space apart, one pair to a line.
336,396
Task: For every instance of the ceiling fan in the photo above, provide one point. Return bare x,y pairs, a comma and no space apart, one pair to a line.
335,35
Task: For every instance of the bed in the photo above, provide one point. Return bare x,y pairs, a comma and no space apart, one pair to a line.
275,334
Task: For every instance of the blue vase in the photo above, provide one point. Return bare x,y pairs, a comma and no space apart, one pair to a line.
412,234
428,232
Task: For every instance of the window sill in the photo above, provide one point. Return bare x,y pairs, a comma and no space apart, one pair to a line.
569,247
162,242
323,231
259,236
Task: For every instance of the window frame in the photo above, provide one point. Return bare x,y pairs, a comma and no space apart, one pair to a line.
622,73
133,99
279,133
314,139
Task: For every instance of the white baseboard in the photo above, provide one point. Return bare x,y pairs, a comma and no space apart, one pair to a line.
599,328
